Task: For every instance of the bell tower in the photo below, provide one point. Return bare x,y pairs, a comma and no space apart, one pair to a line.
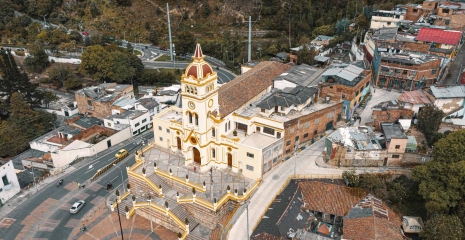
199,93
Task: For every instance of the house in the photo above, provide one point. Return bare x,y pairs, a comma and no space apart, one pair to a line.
414,100
282,55
97,101
54,140
123,104
84,122
349,82
147,105
139,121
390,111
412,225
448,99
395,139
69,109
440,40
9,185
374,36
321,40
414,12
382,19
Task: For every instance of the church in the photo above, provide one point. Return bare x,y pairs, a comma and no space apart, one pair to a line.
248,124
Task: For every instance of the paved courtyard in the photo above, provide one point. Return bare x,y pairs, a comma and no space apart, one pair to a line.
222,178
379,95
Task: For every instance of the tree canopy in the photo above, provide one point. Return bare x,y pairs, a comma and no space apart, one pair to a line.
184,42
110,63
37,61
429,119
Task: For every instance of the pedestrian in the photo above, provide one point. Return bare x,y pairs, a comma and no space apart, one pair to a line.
195,169
79,185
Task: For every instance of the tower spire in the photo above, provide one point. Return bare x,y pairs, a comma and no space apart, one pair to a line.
198,51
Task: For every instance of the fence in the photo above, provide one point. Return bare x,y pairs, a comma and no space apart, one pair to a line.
107,167
381,160
36,181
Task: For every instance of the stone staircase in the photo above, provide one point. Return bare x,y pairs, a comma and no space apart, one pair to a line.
181,213
157,180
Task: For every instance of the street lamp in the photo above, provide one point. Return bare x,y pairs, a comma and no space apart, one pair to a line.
119,218
122,179
33,177
247,209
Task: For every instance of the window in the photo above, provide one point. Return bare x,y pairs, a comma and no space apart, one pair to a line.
307,124
109,124
134,133
297,138
89,102
306,135
288,150
161,139
331,115
268,130
397,146
249,167
278,135
317,121
213,153
356,93
388,23
226,127
5,180
291,130
229,125
159,128
343,96
263,110
213,132
445,10
434,71
413,73
190,117
368,84
404,72
395,156
144,120
250,155
283,109
415,10
167,130
447,22
137,124
196,119
288,143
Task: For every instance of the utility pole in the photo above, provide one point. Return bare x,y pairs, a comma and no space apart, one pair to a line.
169,31
249,55
247,208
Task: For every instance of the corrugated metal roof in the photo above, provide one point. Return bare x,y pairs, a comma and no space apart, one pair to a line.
122,102
350,72
448,92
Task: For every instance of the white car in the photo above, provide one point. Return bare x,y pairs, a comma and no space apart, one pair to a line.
77,206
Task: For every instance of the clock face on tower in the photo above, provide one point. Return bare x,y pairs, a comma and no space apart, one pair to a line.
191,105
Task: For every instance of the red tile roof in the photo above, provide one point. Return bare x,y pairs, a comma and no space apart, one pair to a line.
330,198
245,87
439,36
373,228
414,97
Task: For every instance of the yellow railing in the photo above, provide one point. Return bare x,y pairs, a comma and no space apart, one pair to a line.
294,176
223,200
180,180
162,210
146,180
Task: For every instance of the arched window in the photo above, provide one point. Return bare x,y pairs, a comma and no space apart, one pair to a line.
187,88
195,91
213,153
190,117
192,90
208,89
213,132
196,119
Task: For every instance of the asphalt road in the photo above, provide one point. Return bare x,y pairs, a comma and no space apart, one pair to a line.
59,223
455,70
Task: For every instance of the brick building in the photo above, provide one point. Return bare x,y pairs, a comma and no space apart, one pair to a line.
350,84
97,101
405,71
414,12
389,111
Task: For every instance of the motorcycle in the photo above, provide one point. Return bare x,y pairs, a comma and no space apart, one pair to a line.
60,182
109,185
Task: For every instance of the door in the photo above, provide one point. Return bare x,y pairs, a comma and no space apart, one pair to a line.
258,129
66,114
109,143
329,126
385,162
230,159
339,117
196,155
179,143
276,109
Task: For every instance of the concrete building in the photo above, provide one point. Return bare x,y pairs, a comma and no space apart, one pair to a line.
395,139
349,83
389,111
69,110
138,121
382,19
451,100
97,101
9,185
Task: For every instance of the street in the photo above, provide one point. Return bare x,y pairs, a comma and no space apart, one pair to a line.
455,71
46,214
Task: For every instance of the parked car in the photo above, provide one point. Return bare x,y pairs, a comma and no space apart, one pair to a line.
77,206
163,48
121,153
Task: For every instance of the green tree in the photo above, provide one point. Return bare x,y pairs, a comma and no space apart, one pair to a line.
342,25
59,73
129,47
72,83
362,21
7,13
94,11
206,10
429,120
441,179
37,61
153,37
441,226
49,97
185,42
22,120
351,178
306,56
15,81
